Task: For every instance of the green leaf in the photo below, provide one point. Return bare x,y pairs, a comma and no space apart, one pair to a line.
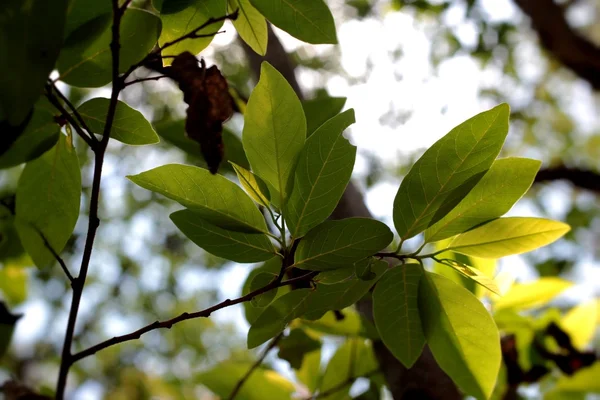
585,380
255,187
235,246
272,266
250,25
277,315
13,283
319,110
85,59
339,244
580,323
340,295
448,171
324,168
40,135
83,11
295,346
259,281
471,273
461,333
180,17
353,324
48,196
7,325
32,33
396,312
353,359
527,295
505,236
213,197
129,126
505,182
11,250
335,276
174,133
262,384
310,372
307,20
274,132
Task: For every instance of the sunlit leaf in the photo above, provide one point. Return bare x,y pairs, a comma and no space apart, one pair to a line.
505,182
472,274
396,312
324,168
250,25
580,323
319,110
180,17
339,244
13,283
47,202
262,384
461,334
585,380
35,29
85,59
448,171
310,372
274,132
254,186
526,295
232,245
352,324
129,126
213,197
307,20
506,236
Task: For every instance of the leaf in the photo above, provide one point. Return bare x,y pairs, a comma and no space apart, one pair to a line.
40,135
83,11
471,273
527,295
35,29
254,186
272,266
274,132
174,133
262,384
47,203
7,325
319,110
584,380
250,25
129,126
340,295
339,244
310,372
353,359
307,20
259,281
323,171
335,276
448,170
396,312
580,323
504,183
180,17
213,197
13,283
235,246
506,236
353,324
277,315
85,59
294,347
461,334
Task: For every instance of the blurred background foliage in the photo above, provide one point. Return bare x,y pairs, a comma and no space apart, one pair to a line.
484,51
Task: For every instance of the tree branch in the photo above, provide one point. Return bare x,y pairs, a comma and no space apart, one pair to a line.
57,257
56,103
74,111
581,178
254,366
573,50
185,316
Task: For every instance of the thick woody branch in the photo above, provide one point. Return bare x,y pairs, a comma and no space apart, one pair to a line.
578,177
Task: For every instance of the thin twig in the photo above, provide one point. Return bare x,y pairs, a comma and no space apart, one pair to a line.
185,316
151,78
254,366
56,103
99,149
74,110
342,385
57,257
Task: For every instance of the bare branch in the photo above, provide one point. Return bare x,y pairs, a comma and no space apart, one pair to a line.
74,111
581,178
150,78
56,256
254,366
65,114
